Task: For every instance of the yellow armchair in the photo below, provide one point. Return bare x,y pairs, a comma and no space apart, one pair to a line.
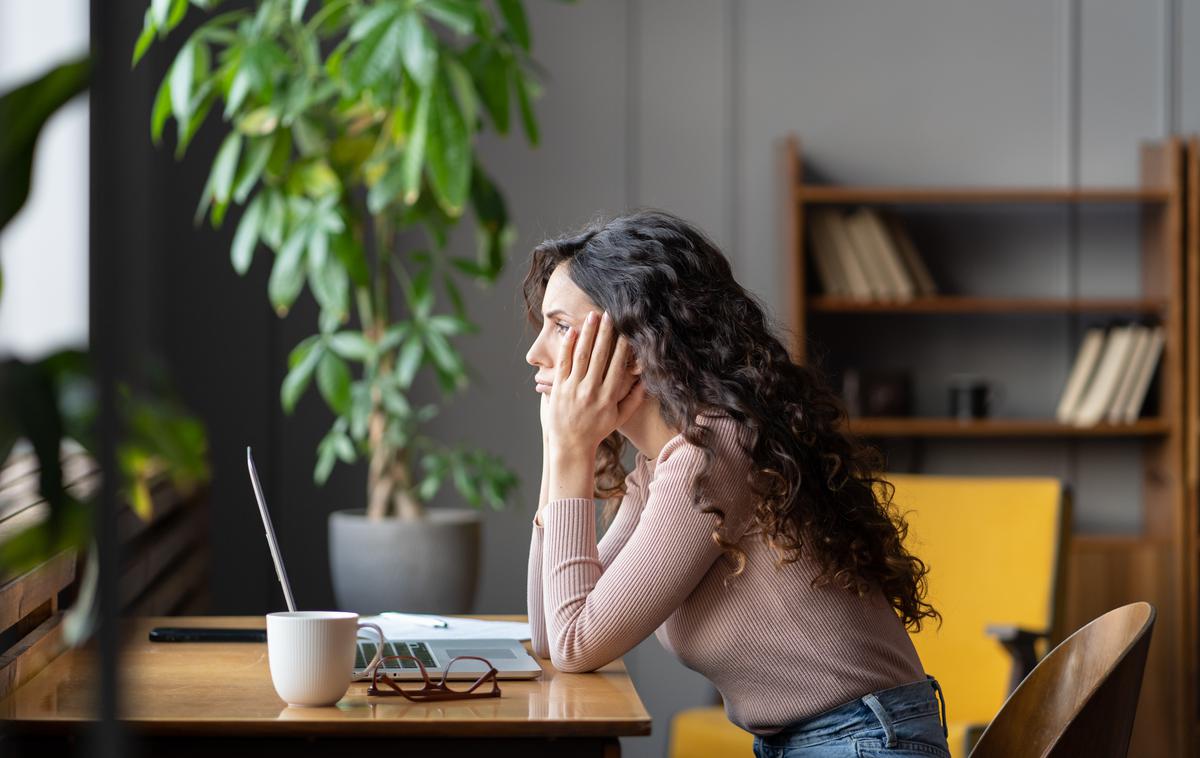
994,548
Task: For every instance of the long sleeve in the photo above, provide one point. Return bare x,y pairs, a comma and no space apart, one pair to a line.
596,613
610,545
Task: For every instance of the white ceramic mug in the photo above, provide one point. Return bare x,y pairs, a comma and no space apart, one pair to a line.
311,654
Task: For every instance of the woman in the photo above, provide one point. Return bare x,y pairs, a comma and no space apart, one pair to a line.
751,536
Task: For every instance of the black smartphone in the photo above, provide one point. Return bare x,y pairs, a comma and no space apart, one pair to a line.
183,634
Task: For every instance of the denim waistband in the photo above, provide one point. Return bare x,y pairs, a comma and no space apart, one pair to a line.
883,708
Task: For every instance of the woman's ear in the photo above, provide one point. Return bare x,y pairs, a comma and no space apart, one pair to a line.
635,365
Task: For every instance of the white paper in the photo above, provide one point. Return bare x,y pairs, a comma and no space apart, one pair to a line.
456,629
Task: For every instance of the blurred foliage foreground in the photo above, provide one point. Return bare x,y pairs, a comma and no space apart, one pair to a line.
51,403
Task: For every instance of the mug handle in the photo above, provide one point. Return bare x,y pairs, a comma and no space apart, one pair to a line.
370,670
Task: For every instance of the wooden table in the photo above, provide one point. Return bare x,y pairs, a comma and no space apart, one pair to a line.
200,698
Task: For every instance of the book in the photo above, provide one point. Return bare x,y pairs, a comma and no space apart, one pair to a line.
847,261
1146,369
919,273
900,285
864,245
1100,390
1137,351
1081,374
825,257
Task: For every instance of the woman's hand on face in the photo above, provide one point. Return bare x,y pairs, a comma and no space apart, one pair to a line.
593,394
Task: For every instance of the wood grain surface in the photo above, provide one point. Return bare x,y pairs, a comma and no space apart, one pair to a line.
224,689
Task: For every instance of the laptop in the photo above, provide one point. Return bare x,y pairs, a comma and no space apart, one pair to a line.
508,656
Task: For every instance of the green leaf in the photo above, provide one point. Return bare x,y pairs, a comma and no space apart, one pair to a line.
23,112
360,410
237,92
225,167
246,237
395,402
463,483
162,109
261,120
449,325
514,17
352,346
393,336
456,14
251,168
385,190
456,297
162,12
443,354
307,356
414,151
178,11
410,360
317,179
449,152
351,255
464,92
418,48
309,138
302,349
274,218
327,278
429,487
490,72
525,106
345,448
371,21
287,275
375,57
201,104
149,30
333,379
181,75
495,232
298,10
326,457
420,294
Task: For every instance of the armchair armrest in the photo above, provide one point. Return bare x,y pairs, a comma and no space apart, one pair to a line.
1019,644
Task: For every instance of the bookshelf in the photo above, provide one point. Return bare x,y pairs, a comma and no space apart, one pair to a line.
968,305
1159,563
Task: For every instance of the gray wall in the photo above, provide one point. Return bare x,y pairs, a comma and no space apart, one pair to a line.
679,104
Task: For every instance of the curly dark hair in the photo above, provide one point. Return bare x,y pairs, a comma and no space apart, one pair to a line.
705,345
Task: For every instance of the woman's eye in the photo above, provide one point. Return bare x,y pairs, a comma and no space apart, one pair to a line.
560,327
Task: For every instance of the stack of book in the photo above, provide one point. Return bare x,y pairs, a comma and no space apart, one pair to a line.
863,256
1111,375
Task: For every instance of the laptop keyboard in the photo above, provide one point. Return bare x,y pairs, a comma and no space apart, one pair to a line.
419,650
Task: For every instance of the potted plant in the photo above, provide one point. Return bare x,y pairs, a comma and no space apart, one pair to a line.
350,126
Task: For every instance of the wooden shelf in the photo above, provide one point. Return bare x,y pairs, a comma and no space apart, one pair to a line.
999,427
967,305
846,195
1105,571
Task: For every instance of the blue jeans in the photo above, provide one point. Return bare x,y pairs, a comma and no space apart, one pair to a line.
901,721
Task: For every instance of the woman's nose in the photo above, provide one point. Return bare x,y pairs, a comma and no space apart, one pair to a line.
534,355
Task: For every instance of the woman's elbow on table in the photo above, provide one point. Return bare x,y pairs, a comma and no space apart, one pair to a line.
576,662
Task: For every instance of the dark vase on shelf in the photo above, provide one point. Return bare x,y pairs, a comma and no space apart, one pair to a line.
877,393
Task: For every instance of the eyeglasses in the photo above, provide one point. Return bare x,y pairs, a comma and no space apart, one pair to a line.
431,691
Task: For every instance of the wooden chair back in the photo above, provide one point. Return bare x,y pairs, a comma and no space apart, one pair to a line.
1082,697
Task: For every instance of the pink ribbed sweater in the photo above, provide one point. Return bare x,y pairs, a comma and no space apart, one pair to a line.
777,649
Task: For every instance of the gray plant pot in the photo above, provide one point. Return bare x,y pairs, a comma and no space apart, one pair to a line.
426,566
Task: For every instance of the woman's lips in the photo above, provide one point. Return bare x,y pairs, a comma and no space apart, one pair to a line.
540,387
